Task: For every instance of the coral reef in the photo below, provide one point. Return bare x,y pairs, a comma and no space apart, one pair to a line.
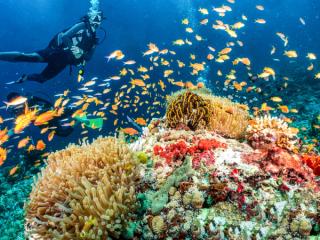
203,186
186,177
200,110
267,131
85,192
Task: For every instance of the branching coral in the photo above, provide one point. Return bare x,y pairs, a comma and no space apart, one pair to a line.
198,110
85,192
267,131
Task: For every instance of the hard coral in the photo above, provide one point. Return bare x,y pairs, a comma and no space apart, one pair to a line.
85,192
267,132
199,110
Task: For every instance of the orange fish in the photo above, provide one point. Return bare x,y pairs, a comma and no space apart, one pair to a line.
284,108
40,145
51,135
189,85
13,170
225,51
179,84
3,155
31,148
138,82
130,131
266,108
245,61
200,85
141,121
45,117
22,143
24,120
3,136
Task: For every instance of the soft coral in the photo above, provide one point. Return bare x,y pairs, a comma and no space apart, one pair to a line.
201,150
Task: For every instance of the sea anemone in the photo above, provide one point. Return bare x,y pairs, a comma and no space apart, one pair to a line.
201,110
188,109
85,192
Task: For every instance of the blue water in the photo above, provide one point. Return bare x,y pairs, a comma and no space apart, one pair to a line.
132,24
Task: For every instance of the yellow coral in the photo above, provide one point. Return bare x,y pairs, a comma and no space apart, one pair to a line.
202,110
85,192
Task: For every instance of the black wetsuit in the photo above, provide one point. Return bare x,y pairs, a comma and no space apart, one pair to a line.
59,55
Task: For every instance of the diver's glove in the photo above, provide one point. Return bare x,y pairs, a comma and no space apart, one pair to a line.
77,52
22,79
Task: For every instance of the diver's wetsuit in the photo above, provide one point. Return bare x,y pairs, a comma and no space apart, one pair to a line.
44,105
60,52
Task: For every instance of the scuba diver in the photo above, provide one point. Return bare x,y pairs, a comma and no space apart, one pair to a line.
73,46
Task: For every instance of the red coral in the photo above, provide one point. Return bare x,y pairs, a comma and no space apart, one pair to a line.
171,152
201,151
207,144
313,162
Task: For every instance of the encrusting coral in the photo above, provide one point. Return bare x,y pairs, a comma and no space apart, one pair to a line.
199,110
85,192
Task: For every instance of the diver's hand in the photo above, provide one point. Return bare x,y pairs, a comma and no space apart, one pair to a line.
77,52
